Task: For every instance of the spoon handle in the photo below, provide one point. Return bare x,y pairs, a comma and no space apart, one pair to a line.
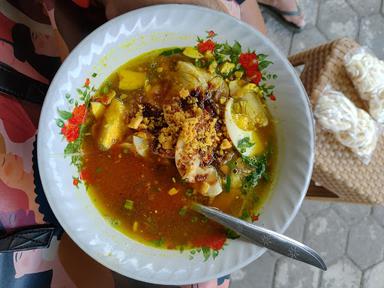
264,237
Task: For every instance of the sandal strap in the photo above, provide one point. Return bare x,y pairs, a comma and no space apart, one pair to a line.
286,13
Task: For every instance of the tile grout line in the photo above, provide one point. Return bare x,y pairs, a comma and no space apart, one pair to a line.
360,22
318,15
352,223
359,17
322,33
306,227
318,22
371,212
361,279
381,12
320,279
347,242
374,218
346,255
353,8
273,284
291,44
371,266
370,14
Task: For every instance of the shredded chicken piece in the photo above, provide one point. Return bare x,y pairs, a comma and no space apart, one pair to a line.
190,77
194,150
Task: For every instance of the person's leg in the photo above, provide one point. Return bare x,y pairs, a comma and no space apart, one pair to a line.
289,10
114,8
250,13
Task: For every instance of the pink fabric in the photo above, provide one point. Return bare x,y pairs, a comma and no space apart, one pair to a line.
17,124
40,260
209,284
12,199
20,218
70,266
6,27
6,49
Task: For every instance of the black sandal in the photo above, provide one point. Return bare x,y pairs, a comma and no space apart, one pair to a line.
279,15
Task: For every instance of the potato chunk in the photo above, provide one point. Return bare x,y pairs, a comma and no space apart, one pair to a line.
131,80
192,52
97,109
112,128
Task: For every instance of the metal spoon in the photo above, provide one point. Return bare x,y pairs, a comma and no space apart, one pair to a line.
263,237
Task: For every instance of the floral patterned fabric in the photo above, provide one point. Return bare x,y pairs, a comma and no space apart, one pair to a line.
29,47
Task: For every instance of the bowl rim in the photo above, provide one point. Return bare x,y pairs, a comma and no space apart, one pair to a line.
154,9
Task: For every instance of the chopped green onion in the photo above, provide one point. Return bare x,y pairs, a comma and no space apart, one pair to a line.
158,242
114,222
231,164
183,211
171,52
98,170
128,205
200,63
231,234
244,143
189,192
105,89
245,215
228,184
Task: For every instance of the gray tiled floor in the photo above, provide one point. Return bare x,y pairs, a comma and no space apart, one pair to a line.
350,237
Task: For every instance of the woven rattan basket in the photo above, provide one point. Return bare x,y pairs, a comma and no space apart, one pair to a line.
336,168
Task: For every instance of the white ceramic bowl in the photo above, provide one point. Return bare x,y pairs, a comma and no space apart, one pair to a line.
102,52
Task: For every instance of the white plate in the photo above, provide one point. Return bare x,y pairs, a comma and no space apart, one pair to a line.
103,51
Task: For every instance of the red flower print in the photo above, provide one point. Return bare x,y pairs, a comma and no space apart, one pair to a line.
211,34
251,66
78,115
70,131
75,181
215,242
248,60
205,46
255,217
256,78
85,176
252,70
